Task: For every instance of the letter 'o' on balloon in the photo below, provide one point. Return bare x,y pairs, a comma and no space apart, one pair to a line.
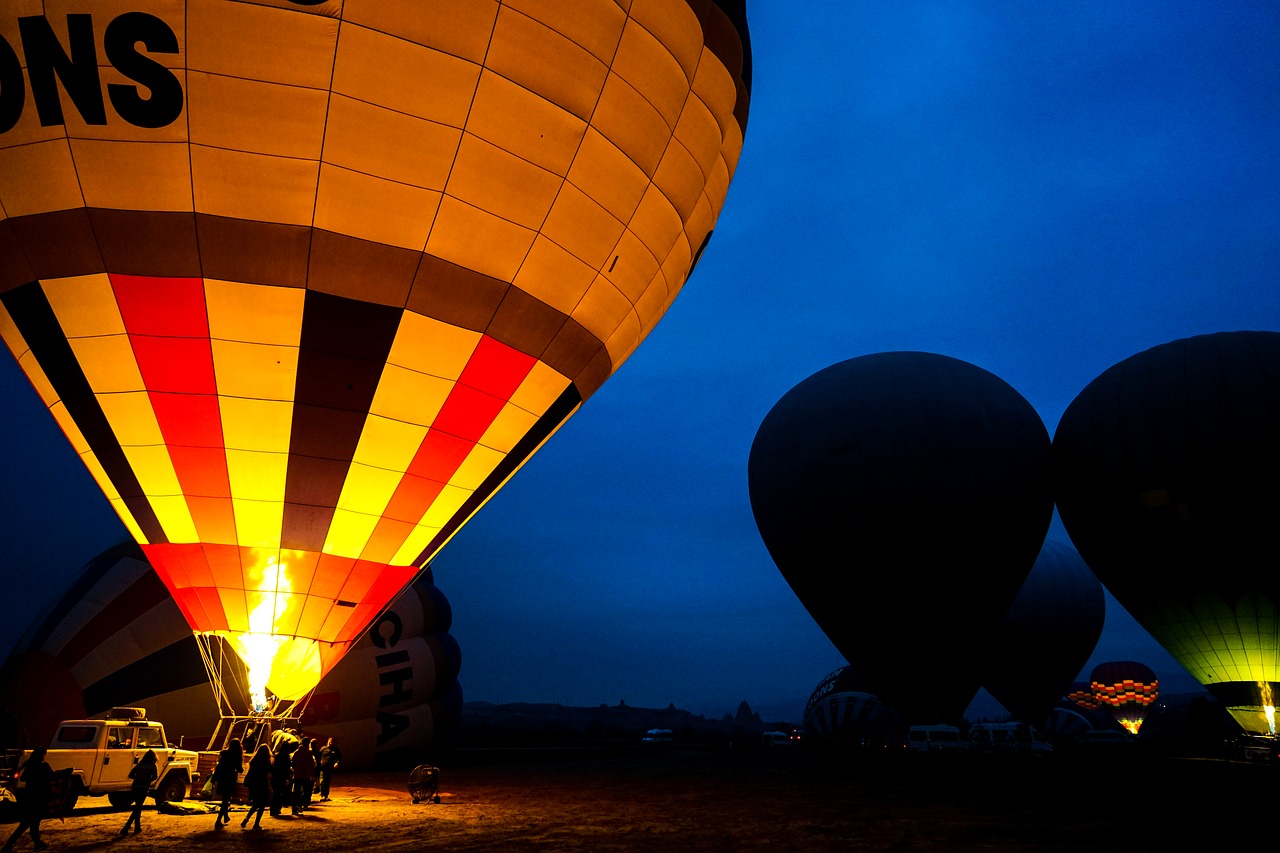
304,283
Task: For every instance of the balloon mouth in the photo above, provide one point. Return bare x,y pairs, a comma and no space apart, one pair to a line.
279,669
1130,725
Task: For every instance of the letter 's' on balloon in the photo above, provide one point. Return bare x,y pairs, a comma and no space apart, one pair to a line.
904,496
1166,468
305,282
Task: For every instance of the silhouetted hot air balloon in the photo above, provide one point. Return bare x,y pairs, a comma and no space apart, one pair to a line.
841,710
1126,690
116,638
1071,721
1166,467
305,281
1081,693
904,497
1047,635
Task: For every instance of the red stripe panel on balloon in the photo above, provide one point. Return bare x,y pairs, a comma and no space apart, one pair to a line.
331,597
492,374
168,328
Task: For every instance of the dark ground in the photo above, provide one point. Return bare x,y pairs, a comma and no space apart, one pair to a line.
783,800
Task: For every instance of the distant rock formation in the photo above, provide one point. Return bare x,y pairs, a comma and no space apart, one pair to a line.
545,724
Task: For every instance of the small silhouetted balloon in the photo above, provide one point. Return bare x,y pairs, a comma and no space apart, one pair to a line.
1047,634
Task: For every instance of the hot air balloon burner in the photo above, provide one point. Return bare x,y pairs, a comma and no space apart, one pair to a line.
240,716
1127,699
1268,706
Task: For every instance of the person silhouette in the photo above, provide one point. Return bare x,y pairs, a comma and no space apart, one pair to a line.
143,774
33,798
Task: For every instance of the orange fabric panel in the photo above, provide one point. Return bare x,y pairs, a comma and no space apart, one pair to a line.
214,518
387,537
331,575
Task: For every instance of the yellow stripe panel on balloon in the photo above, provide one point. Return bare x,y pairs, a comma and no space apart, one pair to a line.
255,330
18,346
433,480
87,310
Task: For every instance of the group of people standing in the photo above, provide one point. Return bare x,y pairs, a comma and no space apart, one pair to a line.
286,774
37,791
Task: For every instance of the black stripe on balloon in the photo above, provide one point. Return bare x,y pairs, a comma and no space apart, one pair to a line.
343,348
93,571
564,406
1241,694
177,666
38,324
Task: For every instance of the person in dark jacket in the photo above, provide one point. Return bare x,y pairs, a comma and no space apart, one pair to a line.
258,780
281,776
144,775
226,775
33,799
330,757
304,771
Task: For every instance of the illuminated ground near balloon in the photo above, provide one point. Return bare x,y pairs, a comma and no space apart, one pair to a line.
780,802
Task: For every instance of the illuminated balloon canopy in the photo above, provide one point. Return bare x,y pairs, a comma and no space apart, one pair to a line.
1166,467
1126,690
904,497
116,638
305,282
1081,693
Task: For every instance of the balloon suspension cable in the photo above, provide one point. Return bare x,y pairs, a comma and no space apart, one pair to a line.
236,715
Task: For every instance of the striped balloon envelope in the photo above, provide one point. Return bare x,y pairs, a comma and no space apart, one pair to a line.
1126,690
840,709
116,638
304,283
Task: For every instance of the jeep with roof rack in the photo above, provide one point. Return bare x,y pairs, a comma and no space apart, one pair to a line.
100,753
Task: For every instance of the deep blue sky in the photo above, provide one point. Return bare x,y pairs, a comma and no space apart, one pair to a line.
1040,189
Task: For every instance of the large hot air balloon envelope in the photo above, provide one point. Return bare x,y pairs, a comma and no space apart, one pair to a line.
904,497
1047,635
305,281
115,638
1166,467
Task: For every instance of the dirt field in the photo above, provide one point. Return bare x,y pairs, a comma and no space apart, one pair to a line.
784,801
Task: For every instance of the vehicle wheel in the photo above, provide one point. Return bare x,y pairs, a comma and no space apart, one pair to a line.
171,790
120,799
